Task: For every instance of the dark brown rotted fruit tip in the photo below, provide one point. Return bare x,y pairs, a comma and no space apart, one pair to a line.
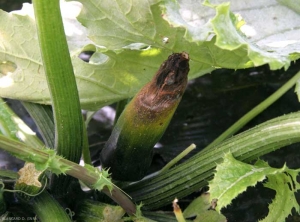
173,72
168,84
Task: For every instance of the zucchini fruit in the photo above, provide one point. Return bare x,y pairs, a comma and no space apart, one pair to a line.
128,151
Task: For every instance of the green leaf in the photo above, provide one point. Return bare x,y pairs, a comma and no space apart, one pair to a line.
197,206
285,185
75,32
108,78
293,5
120,31
210,216
115,24
270,37
200,207
129,29
232,177
230,38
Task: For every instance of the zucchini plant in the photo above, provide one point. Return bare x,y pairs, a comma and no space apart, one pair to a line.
40,66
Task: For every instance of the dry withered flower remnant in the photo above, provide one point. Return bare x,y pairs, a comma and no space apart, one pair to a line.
128,151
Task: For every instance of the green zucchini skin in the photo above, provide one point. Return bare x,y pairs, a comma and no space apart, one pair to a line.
128,151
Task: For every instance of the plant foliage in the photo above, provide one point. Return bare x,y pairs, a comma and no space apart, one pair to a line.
232,177
128,41
131,39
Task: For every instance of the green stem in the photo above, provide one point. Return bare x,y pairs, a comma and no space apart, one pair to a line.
40,156
43,118
8,174
194,173
89,117
60,79
178,158
48,209
62,86
14,127
255,111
